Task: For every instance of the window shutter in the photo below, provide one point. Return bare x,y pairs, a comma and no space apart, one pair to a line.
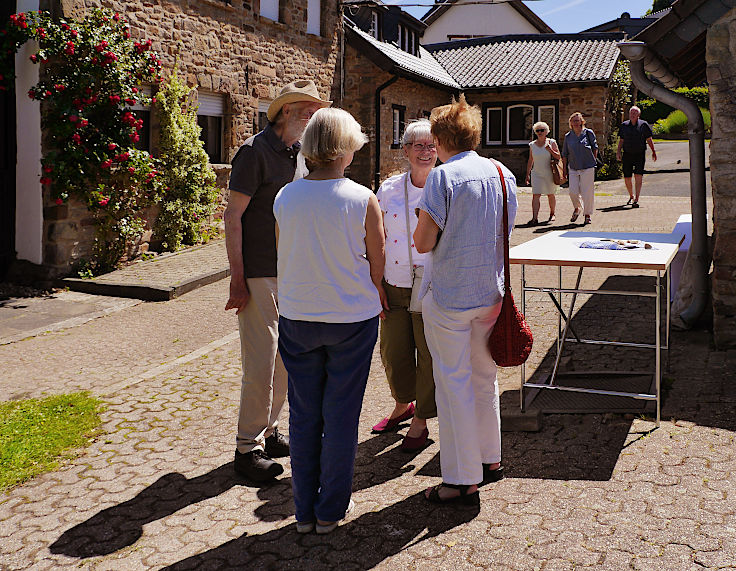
211,104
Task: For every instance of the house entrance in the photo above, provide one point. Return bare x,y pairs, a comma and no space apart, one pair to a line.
7,164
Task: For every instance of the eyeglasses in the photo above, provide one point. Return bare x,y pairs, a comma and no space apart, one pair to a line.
419,147
540,130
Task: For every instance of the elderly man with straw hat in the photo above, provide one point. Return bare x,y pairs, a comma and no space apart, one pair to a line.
266,162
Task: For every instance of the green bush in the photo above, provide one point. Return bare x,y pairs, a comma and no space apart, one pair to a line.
611,168
653,110
676,122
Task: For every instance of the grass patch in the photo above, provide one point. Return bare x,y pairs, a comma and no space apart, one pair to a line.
35,434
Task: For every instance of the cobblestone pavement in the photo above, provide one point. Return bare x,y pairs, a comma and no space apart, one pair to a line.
156,490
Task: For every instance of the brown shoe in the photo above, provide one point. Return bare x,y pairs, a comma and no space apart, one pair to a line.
412,444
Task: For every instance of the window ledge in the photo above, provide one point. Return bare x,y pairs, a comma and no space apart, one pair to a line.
222,4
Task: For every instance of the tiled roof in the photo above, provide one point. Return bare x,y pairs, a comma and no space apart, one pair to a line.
524,60
423,65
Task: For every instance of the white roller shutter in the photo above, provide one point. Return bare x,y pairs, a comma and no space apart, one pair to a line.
211,104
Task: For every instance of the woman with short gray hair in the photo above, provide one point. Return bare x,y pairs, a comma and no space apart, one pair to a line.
542,150
404,350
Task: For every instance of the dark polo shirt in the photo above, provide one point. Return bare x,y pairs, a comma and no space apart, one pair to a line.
261,167
635,136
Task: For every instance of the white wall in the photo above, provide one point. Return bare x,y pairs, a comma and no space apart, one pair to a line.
28,195
477,20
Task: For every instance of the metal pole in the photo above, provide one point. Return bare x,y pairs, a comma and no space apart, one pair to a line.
567,326
658,370
523,311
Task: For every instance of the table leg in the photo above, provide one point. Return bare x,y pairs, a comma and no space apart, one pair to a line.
669,315
658,343
523,311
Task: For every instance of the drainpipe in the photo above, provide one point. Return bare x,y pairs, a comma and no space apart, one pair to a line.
642,59
377,176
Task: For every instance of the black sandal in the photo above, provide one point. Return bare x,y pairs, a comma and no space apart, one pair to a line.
472,499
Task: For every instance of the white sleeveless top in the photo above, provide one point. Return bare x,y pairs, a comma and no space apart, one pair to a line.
323,274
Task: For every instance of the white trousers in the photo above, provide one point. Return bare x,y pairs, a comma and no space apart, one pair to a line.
466,389
264,383
582,185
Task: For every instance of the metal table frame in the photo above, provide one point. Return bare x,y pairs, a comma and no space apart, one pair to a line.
563,333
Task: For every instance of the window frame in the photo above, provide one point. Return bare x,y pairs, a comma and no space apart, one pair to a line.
375,30
504,106
509,141
487,142
553,127
220,116
397,111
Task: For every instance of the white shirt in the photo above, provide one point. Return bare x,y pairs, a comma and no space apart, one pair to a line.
391,199
323,274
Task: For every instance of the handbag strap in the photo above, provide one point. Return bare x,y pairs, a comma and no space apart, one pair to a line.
408,226
506,271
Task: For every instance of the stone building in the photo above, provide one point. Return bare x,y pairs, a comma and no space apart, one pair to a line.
237,54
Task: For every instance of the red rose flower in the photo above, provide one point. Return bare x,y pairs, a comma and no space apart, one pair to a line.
31,94
47,169
74,34
103,201
135,137
106,164
73,118
59,87
59,202
44,180
34,58
111,146
83,123
131,170
76,138
115,99
69,49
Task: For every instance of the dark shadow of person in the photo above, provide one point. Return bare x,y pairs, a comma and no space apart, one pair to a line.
362,543
122,525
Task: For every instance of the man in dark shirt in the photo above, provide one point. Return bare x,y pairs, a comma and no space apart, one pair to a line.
265,163
634,136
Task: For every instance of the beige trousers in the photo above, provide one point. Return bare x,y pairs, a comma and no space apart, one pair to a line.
264,384
582,185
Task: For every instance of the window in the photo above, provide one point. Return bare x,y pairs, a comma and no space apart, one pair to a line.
375,30
494,126
406,39
546,113
519,121
313,17
144,113
270,9
210,117
398,124
262,114
511,123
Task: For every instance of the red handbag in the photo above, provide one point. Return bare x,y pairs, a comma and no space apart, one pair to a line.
510,341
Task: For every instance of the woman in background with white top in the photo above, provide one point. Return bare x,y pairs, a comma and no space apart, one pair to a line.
541,152
404,350
330,264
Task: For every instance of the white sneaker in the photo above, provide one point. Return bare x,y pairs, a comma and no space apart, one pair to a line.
330,527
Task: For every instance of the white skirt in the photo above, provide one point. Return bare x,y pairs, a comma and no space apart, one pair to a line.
543,183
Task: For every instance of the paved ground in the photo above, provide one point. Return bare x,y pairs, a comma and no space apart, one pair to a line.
595,491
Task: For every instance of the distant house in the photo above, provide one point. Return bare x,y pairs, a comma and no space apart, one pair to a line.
628,25
515,79
466,19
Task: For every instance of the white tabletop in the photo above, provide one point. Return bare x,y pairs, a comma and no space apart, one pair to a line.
562,248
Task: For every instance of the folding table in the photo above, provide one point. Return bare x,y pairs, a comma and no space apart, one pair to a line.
561,248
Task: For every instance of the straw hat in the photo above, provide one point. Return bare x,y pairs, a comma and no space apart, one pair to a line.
302,90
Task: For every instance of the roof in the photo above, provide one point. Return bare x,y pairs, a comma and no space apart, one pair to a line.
423,67
529,59
626,23
436,11
678,37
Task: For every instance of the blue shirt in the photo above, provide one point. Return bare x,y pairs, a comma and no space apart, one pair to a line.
578,149
464,198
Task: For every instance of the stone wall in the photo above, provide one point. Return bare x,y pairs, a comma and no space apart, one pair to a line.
222,47
721,69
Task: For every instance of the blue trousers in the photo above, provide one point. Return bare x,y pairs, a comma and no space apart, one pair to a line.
328,365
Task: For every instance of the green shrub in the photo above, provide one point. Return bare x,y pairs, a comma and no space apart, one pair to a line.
611,168
653,110
676,122
190,195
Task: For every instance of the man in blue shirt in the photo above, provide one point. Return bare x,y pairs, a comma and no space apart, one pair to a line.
634,136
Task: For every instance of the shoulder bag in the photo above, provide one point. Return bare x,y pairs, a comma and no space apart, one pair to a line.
415,304
510,341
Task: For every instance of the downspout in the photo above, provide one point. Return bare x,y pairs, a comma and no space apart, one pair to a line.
642,59
377,176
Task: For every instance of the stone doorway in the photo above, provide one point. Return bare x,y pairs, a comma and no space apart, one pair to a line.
7,164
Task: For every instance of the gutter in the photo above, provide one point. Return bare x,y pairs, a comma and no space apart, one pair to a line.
377,175
643,60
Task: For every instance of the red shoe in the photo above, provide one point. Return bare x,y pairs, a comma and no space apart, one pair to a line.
412,444
388,424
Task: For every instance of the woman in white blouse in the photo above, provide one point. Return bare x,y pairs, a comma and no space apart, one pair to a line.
404,351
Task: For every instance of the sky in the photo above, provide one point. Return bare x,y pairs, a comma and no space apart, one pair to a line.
563,16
